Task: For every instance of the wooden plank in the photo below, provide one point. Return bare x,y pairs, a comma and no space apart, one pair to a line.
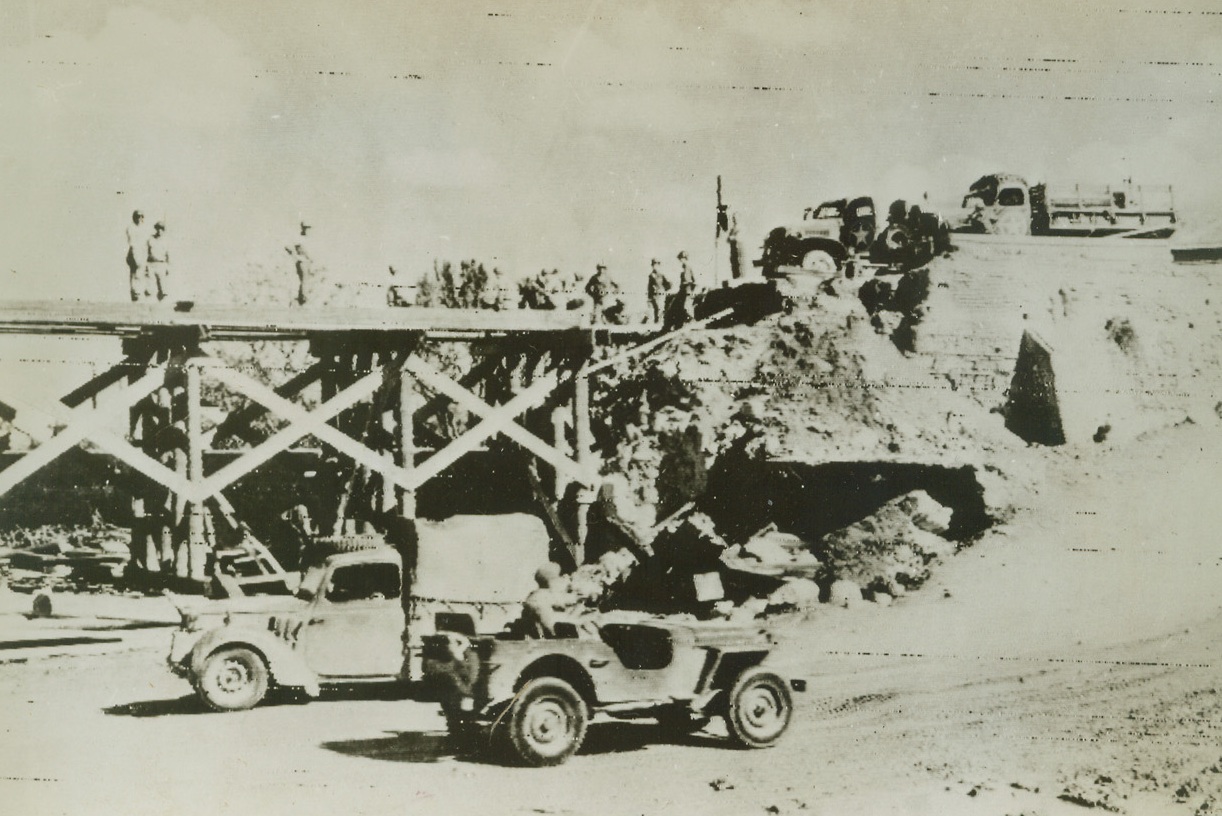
306,423
114,445
242,322
197,545
241,418
101,382
496,419
83,423
297,414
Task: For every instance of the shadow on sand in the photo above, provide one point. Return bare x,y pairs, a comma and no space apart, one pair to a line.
191,704
433,746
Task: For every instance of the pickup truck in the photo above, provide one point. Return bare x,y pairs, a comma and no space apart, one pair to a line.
539,695
353,619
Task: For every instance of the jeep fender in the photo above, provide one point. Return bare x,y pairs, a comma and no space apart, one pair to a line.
287,666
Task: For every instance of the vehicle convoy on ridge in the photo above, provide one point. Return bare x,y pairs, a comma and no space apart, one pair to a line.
537,697
1005,204
354,618
824,240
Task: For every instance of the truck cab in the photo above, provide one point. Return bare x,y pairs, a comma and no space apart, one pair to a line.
823,240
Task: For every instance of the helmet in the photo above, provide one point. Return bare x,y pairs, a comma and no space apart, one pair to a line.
547,573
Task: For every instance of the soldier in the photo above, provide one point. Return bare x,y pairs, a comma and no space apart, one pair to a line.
545,607
397,294
687,286
137,257
158,254
600,288
657,289
302,262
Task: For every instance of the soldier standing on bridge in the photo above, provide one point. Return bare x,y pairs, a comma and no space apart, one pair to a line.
302,263
158,254
657,289
600,288
137,257
687,286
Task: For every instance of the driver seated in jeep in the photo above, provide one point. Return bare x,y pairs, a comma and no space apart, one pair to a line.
543,610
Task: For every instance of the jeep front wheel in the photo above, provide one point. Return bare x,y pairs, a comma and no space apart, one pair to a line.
759,708
547,722
233,680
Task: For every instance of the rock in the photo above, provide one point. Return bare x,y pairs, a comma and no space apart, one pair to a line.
749,610
844,593
888,551
882,599
768,551
798,593
926,513
41,607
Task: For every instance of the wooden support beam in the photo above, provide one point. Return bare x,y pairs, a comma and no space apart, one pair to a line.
496,419
405,415
110,443
301,423
238,421
584,443
101,382
299,417
197,543
83,423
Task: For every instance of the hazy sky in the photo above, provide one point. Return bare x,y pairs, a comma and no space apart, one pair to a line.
560,134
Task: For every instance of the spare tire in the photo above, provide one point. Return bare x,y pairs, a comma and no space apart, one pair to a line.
351,542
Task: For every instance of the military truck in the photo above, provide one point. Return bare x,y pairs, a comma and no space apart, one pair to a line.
824,240
1005,204
359,617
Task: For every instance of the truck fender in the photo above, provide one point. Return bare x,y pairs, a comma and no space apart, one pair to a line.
286,665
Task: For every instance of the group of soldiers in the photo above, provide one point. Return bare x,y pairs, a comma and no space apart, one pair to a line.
148,260
602,294
473,287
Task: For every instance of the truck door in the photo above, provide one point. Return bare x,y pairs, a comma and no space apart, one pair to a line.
356,627
1013,212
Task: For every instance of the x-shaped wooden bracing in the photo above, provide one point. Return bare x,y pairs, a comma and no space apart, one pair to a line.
495,419
86,424
83,424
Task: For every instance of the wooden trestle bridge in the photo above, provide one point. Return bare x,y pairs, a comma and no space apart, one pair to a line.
527,376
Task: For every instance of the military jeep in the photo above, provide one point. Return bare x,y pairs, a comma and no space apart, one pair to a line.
536,697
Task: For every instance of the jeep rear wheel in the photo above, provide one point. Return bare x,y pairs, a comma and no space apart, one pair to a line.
233,680
758,709
547,722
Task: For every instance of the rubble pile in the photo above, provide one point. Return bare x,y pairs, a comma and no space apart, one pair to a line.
35,558
890,551
823,384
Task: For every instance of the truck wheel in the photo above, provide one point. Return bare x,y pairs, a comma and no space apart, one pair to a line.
233,680
759,709
547,722
819,261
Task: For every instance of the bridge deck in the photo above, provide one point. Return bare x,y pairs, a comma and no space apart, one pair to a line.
269,322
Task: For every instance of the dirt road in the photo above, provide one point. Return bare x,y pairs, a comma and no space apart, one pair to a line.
1069,662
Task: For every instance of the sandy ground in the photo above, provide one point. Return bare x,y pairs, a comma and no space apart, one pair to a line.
1070,660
